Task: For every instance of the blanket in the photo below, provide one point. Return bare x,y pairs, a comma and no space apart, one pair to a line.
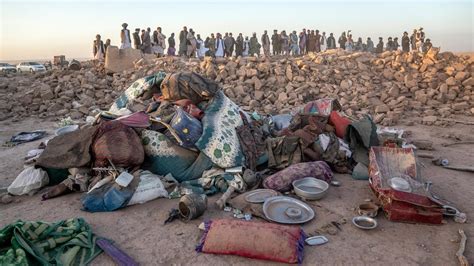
219,140
67,242
69,150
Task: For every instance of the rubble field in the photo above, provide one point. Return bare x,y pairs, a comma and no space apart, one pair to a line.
430,97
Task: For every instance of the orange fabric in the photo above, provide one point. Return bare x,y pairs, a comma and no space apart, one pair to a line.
340,123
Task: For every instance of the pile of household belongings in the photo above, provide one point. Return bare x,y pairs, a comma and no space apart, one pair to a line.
173,134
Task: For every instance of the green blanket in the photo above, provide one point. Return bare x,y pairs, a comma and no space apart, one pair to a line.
67,242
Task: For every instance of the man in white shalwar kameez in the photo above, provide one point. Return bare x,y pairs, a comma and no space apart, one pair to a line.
219,46
245,51
323,42
126,42
201,51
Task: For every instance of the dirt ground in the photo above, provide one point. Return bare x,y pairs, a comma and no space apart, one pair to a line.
139,229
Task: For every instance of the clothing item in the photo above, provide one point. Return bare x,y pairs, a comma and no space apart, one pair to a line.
67,242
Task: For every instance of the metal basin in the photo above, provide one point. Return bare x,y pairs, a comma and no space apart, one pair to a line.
310,188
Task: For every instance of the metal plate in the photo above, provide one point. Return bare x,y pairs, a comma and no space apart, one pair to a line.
260,195
282,209
316,240
400,184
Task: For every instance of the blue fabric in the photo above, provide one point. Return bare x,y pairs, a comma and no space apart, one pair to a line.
188,128
106,198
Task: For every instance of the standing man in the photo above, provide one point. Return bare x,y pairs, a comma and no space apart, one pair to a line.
192,44
370,45
379,48
212,45
276,42
342,41
98,49
219,46
171,45
422,35
136,39
294,43
254,45
395,44
161,42
245,51
389,44
302,42
239,45
285,43
147,41
106,45
125,41
266,43
318,42
323,42
183,42
413,40
201,50
405,42
229,43
331,41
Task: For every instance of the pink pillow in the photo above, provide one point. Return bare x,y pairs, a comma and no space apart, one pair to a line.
256,240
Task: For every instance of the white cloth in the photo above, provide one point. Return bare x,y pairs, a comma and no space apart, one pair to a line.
99,55
219,48
127,43
201,52
325,45
245,51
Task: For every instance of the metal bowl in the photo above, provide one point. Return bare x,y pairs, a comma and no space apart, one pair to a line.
364,222
310,188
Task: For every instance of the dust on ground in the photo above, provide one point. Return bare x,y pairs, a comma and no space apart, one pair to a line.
140,232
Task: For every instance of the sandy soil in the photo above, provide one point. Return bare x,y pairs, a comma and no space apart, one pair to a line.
139,229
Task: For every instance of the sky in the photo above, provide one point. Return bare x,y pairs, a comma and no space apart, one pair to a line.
41,29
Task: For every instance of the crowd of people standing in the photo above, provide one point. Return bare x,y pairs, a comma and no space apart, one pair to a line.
281,43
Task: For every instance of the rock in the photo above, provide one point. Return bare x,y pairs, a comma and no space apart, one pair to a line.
46,92
118,60
460,106
289,73
258,95
282,97
346,84
394,91
410,82
6,199
382,109
257,84
468,82
430,119
450,81
423,144
460,76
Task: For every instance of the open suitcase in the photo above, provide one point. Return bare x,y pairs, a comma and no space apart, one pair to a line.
405,197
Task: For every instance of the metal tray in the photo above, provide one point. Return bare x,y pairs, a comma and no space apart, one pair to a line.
260,195
287,210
